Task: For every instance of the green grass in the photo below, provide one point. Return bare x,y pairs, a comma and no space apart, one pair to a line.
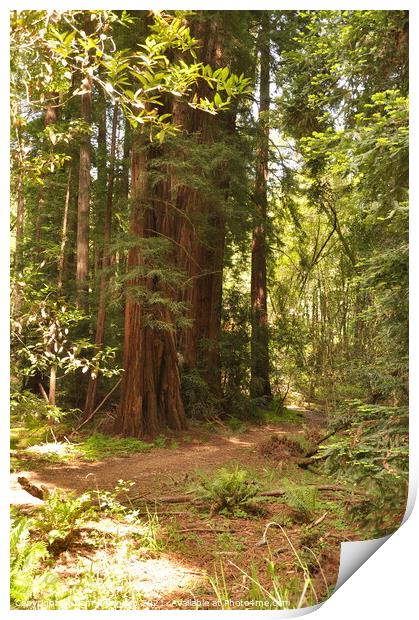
98,446
236,425
270,414
94,448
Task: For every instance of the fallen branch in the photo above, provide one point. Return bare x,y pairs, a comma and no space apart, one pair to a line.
98,407
308,457
43,393
322,487
171,499
188,497
306,462
208,530
318,521
315,449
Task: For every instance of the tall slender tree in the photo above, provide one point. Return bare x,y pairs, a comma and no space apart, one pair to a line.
82,251
260,382
104,265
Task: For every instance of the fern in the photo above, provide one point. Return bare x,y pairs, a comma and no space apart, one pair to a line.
230,491
302,499
61,515
26,559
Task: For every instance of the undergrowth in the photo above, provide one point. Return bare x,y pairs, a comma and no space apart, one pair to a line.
93,448
60,517
230,491
36,545
28,579
302,500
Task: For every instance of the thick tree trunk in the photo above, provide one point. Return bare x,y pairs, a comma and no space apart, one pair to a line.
82,251
126,160
105,263
202,261
260,384
100,186
150,398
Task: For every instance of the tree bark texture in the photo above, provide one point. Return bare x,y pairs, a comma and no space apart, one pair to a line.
82,252
150,393
20,216
260,384
50,117
64,232
202,260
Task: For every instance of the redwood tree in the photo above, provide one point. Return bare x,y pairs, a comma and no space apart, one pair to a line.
260,384
202,257
82,252
104,265
151,397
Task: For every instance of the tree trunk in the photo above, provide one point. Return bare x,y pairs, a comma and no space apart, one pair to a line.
202,260
20,215
260,384
105,263
50,117
125,160
82,261
150,398
52,385
64,233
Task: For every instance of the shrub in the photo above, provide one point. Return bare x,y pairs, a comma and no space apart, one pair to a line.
199,402
373,453
230,491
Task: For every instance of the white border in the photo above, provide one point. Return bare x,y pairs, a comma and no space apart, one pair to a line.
384,587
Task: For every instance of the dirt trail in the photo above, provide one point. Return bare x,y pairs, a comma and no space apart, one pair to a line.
160,471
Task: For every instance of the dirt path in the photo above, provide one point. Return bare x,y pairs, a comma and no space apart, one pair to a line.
162,470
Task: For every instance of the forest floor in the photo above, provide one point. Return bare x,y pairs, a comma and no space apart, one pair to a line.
180,555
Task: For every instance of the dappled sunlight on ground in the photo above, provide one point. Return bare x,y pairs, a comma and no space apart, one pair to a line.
150,577
240,442
155,472
60,449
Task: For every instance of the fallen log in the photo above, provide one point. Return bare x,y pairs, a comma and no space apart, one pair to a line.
40,492
322,487
310,456
311,460
188,497
171,499
209,530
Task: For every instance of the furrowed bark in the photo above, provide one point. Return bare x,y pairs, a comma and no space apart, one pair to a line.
82,251
260,383
150,391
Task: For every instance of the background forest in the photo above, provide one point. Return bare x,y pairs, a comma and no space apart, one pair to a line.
209,234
